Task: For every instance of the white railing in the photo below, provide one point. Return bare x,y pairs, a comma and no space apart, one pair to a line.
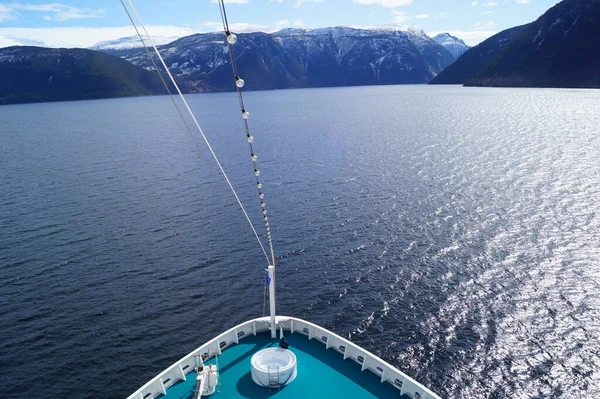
389,374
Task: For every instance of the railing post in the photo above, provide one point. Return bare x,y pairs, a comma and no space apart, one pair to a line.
383,373
364,363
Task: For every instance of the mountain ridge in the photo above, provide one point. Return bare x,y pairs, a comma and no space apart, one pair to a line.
560,49
477,58
36,74
335,56
289,58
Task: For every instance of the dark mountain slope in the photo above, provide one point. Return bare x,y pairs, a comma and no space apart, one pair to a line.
35,74
477,58
560,49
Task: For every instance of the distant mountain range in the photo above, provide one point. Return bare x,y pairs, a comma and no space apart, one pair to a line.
559,49
294,58
290,58
36,74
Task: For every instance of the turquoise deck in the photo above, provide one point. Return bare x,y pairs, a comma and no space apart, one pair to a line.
321,374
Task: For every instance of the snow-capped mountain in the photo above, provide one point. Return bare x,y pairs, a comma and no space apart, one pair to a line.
452,43
346,56
130,42
338,56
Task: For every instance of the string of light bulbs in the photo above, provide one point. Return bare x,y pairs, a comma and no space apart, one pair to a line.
231,39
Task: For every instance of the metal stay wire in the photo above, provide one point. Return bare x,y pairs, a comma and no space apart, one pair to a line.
194,120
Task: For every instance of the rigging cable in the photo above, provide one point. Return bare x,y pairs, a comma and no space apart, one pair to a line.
221,186
214,155
159,74
231,39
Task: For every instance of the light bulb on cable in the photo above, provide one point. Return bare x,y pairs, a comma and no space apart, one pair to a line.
231,38
239,82
250,139
256,172
245,114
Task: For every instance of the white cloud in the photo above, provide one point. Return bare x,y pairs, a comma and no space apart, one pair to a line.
87,37
6,13
400,17
80,37
487,26
299,3
472,38
490,4
232,1
7,42
284,23
238,27
385,3
522,1
421,16
49,11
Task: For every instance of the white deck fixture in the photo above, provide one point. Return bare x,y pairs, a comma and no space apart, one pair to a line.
206,382
274,367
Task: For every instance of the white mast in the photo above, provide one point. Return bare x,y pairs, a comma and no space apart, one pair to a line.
271,271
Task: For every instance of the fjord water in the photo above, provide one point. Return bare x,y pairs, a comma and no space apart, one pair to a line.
454,232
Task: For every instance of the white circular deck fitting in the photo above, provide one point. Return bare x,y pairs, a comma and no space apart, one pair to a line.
274,365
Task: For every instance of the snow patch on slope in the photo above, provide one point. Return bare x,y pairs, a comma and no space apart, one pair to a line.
131,42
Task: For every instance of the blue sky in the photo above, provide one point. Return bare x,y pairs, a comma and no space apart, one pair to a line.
83,23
